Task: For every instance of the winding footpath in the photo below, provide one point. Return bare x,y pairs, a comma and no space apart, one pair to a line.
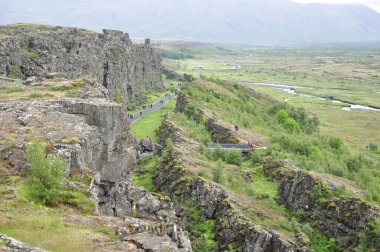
155,106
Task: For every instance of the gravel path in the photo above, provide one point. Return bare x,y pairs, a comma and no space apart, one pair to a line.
155,106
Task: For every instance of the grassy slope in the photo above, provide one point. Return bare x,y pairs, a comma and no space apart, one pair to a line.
38,225
355,71
256,195
310,151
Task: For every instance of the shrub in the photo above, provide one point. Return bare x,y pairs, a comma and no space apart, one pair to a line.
282,116
335,143
13,88
117,97
14,72
233,157
202,232
292,125
373,146
218,172
170,54
354,164
45,181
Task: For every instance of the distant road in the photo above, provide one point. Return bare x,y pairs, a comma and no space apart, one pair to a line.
155,106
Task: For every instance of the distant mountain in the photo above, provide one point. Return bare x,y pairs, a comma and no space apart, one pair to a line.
238,21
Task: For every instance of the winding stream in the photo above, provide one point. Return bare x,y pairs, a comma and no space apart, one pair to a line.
292,89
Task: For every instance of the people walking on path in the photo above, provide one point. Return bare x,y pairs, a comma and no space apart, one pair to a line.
154,106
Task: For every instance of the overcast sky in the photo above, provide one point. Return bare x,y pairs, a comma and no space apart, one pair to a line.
374,4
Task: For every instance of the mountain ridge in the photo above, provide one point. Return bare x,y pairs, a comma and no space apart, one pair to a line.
271,22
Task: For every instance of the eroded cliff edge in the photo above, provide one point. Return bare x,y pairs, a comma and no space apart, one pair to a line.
67,80
109,59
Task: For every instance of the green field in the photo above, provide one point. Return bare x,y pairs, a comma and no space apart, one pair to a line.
349,74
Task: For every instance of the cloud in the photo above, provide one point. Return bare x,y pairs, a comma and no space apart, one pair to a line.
374,4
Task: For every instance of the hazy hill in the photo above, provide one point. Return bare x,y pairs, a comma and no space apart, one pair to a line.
255,21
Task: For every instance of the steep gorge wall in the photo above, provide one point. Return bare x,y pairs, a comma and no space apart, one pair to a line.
110,59
342,218
232,227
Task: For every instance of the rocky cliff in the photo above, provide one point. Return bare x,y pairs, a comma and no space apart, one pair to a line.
109,59
70,78
317,197
175,177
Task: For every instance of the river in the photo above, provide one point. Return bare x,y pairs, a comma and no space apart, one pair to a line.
293,89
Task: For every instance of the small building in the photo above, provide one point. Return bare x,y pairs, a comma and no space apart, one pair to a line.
199,68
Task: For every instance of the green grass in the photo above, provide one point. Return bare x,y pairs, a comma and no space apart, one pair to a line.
202,232
15,72
60,88
13,88
31,53
38,225
308,150
348,74
143,173
40,95
148,125
33,26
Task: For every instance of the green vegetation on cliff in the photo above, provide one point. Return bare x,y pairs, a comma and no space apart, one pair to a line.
306,148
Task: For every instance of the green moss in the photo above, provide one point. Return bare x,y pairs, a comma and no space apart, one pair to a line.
15,72
60,88
31,53
115,51
117,97
70,140
78,84
107,232
3,242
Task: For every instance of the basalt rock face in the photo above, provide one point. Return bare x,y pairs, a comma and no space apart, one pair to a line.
91,136
175,177
215,203
342,218
109,59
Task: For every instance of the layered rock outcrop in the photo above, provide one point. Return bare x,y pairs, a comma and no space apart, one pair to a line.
221,131
342,218
90,132
215,203
109,59
232,227
92,138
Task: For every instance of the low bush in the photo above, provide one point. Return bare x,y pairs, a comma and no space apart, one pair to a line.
15,72
46,175
218,172
233,156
